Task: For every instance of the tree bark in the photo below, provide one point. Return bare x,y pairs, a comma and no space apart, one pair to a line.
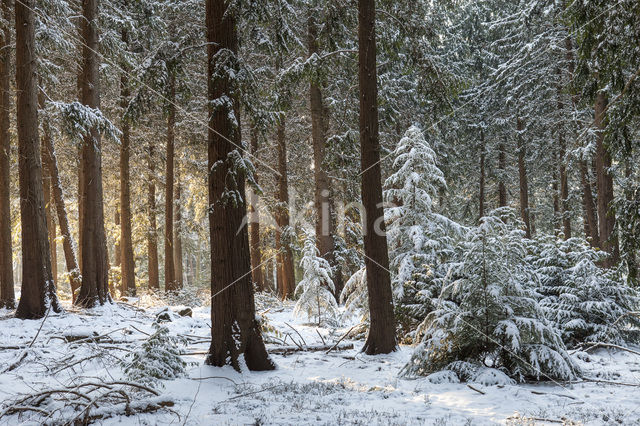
117,251
169,266
235,333
589,206
562,171
128,266
7,293
177,231
524,184
95,268
254,224
482,175
152,232
502,169
606,217
38,292
382,333
286,275
68,245
49,206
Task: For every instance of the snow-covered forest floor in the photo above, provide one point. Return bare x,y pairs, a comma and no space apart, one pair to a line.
67,351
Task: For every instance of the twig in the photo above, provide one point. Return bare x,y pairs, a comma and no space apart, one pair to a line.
608,382
476,389
556,394
340,339
253,393
305,343
609,345
286,350
321,338
214,377
39,329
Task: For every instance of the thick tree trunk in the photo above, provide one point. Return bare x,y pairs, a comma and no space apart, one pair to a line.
482,175
254,224
502,170
38,292
7,293
235,333
95,268
177,230
382,330
286,275
323,204
524,184
169,266
152,232
128,266
606,217
68,245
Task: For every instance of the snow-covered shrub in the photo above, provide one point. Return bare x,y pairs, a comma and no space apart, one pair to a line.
354,294
158,359
487,314
314,291
585,302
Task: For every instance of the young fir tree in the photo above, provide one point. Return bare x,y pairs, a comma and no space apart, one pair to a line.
316,289
487,314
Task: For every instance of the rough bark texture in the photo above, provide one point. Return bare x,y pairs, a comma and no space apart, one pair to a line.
127,266
234,329
95,268
117,251
524,184
37,292
49,208
502,166
177,230
254,225
68,245
152,233
565,214
589,206
382,330
169,267
286,275
482,175
7,293
606,217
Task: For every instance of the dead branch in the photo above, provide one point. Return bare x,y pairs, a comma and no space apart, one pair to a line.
303,341
595,345
340,339
476,389
286,350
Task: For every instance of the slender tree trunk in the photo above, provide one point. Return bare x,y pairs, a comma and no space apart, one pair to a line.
631,255
7,293
235,333
49,207
555,187
152,232
95,267
286,275
38,292
562,171
606,217
117,251
482,175
254,224
589,205
169,267
524,184
502,170
382,330
68,245
128,266
177,230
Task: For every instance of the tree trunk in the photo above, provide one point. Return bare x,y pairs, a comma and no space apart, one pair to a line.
128,266
606,217
49,206
286,275
502,170
382,330
562,171
589,206
235,333
482,175
169,267
152,233
7,293
95,268
177,239
68,245
38,293
323,205
524,184
117,251
254,224
555,189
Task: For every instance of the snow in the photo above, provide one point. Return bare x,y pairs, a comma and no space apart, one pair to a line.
342,387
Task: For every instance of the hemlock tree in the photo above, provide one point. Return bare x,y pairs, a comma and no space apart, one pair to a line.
235,333
38,291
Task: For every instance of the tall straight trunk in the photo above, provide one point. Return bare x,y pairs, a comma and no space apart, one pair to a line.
630,254
95,268
128,266
235,333
49,210
482,175
152,232
254,224
323,204
606,217
562,171
382,329
38,292
502,170
7,293
589,206
117,251
286,275
68,245
555,189
524,184
169,267
177,231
